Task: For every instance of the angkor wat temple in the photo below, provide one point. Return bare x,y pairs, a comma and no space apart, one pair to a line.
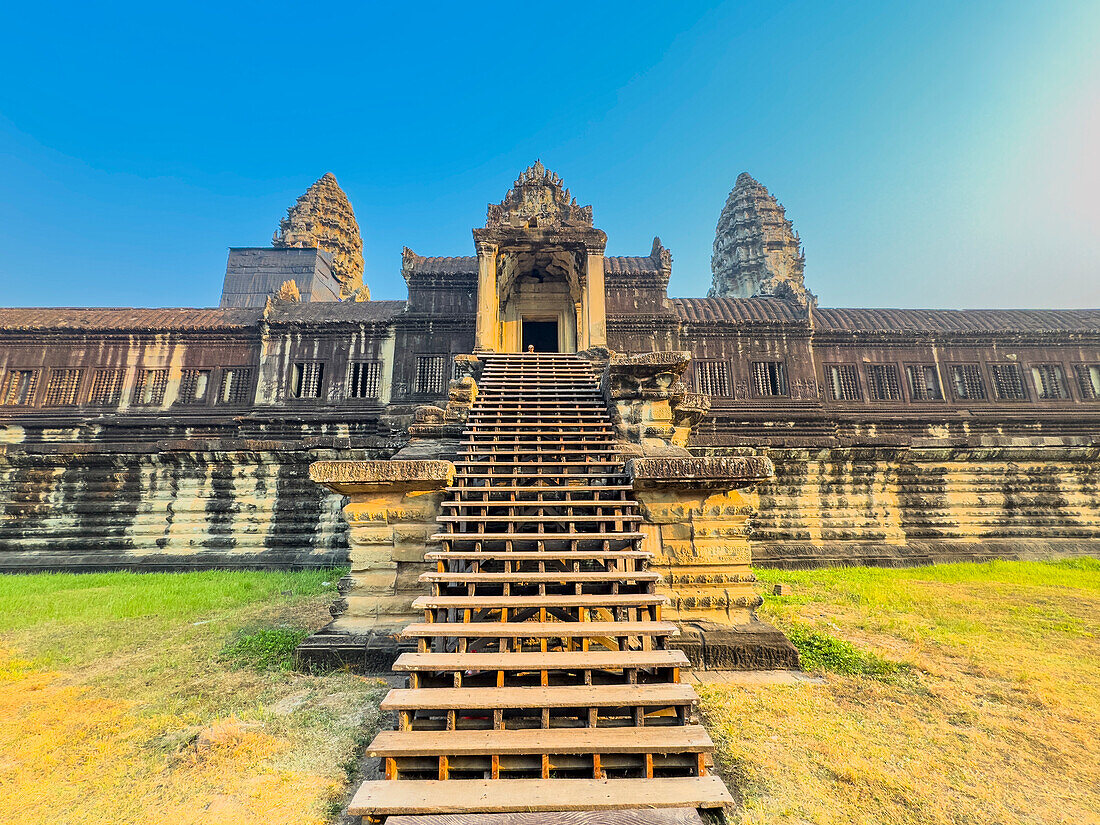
181,437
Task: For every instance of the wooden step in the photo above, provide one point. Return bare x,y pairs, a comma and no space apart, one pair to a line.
536,630
468,537
575,660
594,502
538,555
565,696
556,488
663,739
560,577
564,519
424,796
606,600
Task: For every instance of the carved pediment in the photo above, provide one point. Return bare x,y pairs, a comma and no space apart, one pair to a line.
538,199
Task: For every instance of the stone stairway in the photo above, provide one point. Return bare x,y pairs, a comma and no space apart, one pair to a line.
542,680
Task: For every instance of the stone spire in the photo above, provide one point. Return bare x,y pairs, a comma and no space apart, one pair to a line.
323,218
756,250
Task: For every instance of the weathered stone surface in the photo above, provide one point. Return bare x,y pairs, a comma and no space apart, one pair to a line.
354,477
752,646
713,472
166,510
756,250
323,218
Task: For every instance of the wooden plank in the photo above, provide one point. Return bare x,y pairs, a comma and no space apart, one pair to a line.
561,576
475,602
565,696
628,535
383,798
537,630
565,660
537,555
525,519
633,816
662,739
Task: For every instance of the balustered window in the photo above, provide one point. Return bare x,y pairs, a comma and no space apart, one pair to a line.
106,388
713,378
307,379
1050,381
194,385
968,382
236,386
769,378
843,382
149,387
1008,382
883,383
62,387
924,382
431,374
364,378
1088,381
19,388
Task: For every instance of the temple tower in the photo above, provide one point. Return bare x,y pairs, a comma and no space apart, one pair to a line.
540,270
323,219
756,250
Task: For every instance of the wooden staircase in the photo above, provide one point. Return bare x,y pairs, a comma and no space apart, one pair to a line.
542,679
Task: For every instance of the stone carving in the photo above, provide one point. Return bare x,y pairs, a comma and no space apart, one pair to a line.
323,218
756,250
538,199
652,410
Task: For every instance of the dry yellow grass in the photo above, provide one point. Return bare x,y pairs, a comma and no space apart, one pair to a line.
110,717
995,721
116,705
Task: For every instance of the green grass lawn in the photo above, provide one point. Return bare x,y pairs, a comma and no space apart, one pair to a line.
952,694
965,693
125,696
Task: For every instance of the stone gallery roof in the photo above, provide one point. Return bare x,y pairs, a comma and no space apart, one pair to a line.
630,265
958,320
127,318
346,312
467,265
168,319
420,265
828,319
739,310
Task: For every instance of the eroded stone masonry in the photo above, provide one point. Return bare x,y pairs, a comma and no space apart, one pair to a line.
182,437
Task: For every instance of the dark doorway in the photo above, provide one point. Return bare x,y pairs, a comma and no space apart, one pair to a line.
543,335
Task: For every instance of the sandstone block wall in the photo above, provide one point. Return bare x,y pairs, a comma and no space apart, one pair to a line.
172,510
901,506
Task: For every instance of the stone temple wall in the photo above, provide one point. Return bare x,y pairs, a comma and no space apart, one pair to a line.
900,506
174,510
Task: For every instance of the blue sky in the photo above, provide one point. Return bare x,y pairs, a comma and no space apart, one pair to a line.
930,154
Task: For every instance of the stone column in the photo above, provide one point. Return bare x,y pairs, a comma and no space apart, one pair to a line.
488,302
391,518
595,300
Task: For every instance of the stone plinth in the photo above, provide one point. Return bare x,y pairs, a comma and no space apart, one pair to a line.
391,517
696,518
696,514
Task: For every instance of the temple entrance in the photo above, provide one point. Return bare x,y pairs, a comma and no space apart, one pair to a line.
540,333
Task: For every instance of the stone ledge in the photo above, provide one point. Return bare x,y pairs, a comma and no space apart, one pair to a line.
349,477
725,472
